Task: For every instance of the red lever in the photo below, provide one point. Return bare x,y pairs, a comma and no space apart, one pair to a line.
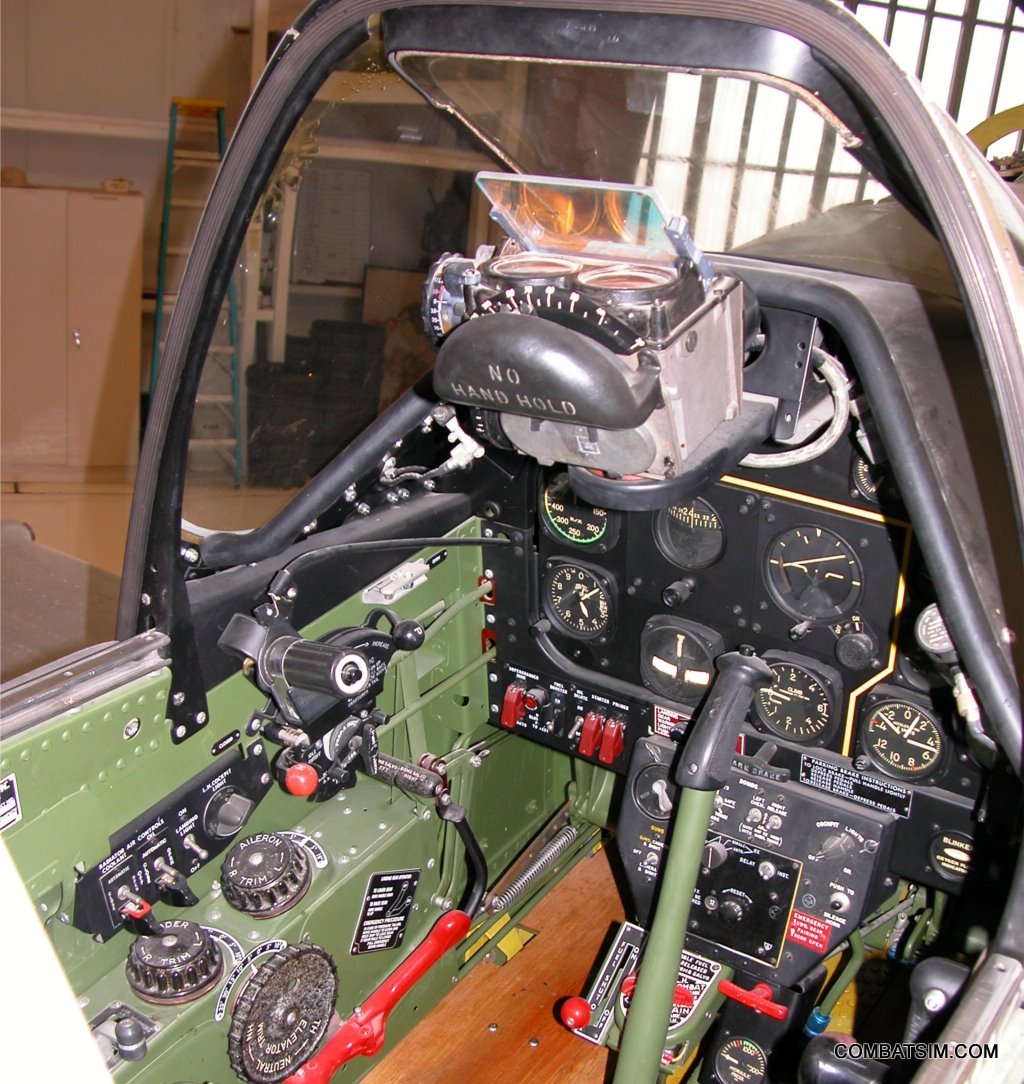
363,1032
759,999
575,1012
513,706
612,742
681,996
301,780
590,735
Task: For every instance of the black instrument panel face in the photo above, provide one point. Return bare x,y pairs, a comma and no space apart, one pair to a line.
624,613
814,582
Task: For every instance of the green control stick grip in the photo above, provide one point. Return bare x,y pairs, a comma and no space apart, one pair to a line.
702,767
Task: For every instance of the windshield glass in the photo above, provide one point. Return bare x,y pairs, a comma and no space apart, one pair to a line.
737,156
322,329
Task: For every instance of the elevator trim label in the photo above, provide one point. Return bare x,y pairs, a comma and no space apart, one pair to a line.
239,970
387,906
10,802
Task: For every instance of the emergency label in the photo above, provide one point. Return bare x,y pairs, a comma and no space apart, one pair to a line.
386,909
809,930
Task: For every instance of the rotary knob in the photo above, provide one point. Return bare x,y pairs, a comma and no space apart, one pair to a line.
731,912
265,874
282,1014
179,963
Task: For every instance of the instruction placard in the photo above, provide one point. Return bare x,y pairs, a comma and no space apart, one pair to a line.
386,909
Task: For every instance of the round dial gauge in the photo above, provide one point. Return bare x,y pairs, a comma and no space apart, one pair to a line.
690,535
902,739
569,519
577,599
676,660
873,481
797,705
813,572
740,1061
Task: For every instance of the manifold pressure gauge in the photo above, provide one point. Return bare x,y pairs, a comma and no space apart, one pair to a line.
901,738
800,704
578,599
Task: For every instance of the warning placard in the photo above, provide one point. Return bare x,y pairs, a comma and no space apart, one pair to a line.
809,930
10,803
386,909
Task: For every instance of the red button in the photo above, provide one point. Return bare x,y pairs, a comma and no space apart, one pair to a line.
301,780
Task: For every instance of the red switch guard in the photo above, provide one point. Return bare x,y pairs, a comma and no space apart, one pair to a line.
363,1032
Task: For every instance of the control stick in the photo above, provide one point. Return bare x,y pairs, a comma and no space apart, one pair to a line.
701,768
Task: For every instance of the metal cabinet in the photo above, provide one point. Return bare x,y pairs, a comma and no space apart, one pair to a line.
71,267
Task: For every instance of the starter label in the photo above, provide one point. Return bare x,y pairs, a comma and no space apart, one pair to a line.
386,909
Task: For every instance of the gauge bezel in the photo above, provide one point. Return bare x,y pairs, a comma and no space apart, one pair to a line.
660,527
601,544
784,599
824,676
711,642
605,583
726,1075
868,744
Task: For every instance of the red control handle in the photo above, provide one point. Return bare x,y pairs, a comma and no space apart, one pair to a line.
575,1012
681,995
759,999
301,780
363,1032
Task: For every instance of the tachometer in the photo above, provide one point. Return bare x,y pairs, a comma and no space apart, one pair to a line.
690,535
902,738
813,572
677,658
567,518
578,599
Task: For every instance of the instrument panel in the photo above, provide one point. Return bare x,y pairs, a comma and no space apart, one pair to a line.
818,585
815,567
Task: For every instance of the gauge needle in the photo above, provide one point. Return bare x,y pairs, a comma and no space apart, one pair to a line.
921,745
589,594
812,561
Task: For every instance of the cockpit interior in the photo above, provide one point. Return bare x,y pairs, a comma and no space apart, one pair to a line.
691,542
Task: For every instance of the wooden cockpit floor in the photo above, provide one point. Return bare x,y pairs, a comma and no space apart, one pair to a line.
455,1044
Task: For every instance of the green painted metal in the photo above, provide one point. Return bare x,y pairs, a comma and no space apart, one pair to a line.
85,774
646,1027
